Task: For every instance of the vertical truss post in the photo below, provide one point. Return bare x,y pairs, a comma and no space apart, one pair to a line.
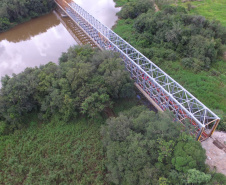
214,127
199,135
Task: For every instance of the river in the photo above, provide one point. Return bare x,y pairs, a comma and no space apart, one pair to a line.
43,39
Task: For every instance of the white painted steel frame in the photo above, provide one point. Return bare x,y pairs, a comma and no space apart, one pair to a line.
163,89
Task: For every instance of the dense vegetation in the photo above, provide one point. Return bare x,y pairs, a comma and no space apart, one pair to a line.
188,47
85,81
51,116
53,153
17,11
147,148
172,34
50,128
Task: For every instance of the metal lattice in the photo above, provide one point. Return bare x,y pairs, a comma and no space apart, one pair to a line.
163,89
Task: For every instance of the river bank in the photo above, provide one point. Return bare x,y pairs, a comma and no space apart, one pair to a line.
17,12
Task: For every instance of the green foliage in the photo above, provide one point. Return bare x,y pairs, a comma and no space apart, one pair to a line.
162,181
192,37
124,104
197,177
120,3
140,146
218,178
212,10
86,81
95,103
162,3
188,156
4,24
16,11
3,127
53,153
135,8
222,124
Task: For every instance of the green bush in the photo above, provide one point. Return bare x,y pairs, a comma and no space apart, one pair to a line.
4,24
222,124
197,177
140,146
190,37
189,155
135,8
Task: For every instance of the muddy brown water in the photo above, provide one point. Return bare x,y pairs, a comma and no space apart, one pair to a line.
43,39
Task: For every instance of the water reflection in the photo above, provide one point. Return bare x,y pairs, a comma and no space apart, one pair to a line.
45,47
44,39
29,29
103,10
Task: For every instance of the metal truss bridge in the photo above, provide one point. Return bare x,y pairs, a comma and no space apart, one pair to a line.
152,81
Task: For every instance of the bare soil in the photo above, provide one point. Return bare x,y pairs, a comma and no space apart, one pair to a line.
215,147
156,7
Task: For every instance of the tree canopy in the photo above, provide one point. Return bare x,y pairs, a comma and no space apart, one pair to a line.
85,81
143,147
173,34
15,11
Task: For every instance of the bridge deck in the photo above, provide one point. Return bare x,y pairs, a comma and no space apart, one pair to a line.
160,87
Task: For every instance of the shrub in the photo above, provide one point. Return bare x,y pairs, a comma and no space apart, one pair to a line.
134,9
140,146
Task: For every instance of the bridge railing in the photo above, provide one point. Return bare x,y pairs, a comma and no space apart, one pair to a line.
163,89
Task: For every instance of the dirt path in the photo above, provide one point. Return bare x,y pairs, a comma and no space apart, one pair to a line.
216,151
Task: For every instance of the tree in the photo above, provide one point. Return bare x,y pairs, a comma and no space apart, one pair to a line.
16,11
188,155
197,177
134,9
86,81
4,24
95,103
133,157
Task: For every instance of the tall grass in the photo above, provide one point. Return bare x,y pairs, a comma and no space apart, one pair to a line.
211,9
54,153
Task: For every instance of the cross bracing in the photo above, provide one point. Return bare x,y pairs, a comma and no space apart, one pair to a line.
163,89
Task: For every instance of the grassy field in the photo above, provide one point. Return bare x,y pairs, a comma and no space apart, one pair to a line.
54,153
211,9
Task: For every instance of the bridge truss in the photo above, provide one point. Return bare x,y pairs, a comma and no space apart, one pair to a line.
159,86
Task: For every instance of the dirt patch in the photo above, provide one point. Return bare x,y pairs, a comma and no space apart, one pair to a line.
224,55
156,7
216,151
